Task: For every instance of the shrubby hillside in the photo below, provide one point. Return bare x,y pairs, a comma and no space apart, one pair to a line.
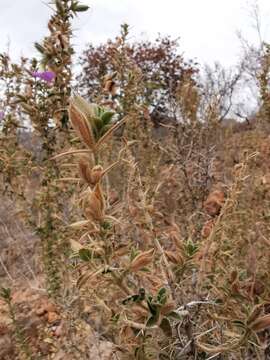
135,193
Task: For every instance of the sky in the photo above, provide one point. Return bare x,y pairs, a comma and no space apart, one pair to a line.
207,28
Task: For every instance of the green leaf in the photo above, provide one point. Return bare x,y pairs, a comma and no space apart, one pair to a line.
106,225
104,129
107,117
81,8
99,111
191,248
133,253
39,47
161,296
166,327
152,320
5,293
98,123
85,254
152,307
142,293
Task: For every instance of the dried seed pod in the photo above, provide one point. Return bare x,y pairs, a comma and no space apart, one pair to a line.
96,174
92,175
81,126
174,256
214,202
85,171
110,84
94,204
110,87
142,260
107,85
177,240
207,228
89,110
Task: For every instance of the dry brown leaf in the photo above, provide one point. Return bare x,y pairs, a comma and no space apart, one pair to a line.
142,260
261,323
174,256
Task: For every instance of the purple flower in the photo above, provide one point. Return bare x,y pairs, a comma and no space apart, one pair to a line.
47,76
2,114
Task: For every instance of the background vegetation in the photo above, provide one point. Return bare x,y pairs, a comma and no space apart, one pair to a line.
134,202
